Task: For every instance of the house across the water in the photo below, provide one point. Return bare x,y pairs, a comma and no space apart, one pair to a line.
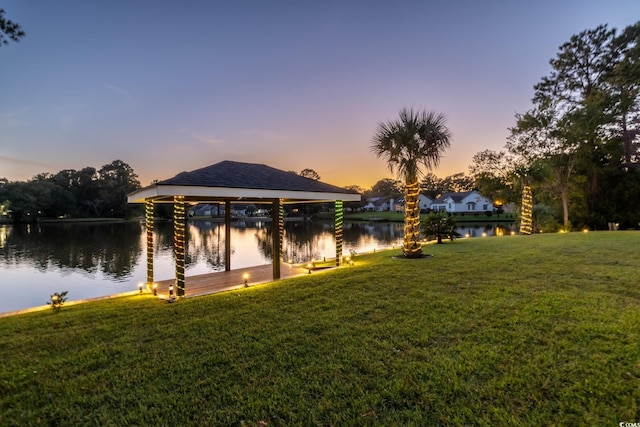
467,201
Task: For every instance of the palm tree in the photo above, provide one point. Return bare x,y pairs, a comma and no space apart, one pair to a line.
417,138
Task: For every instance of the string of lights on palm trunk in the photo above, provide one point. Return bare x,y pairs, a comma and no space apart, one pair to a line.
412,246
526,211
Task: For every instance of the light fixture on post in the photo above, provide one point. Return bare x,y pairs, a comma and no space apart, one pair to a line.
309,267
140,286
245,276
155,289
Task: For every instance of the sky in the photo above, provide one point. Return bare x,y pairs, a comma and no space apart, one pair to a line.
173,86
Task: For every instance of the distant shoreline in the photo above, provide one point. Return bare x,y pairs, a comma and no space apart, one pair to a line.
66,220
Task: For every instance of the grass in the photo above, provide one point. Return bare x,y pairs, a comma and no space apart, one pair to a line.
399,217
518,330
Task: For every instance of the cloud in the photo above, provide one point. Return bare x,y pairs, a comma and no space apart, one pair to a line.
11,118
129,98
267,136
201,137
22,162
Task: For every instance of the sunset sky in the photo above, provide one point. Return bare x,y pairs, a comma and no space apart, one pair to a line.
171,86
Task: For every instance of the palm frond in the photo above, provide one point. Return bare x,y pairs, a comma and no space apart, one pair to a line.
415,138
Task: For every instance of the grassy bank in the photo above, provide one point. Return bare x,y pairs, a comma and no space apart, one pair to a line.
518,330
399,217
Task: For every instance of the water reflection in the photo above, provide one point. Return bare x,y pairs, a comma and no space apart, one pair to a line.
97,259
486,230
116,248
110,248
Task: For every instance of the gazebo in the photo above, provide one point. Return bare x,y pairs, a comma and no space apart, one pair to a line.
228,182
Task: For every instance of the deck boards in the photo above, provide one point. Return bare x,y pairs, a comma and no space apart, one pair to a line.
221,281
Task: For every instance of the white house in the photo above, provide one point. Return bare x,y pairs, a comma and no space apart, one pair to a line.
424,202
379,204
468,201
205,209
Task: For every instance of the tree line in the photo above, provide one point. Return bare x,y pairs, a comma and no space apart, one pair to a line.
579,146
84,193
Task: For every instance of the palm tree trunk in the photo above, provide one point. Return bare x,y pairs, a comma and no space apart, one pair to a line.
526,210
412,247
565,209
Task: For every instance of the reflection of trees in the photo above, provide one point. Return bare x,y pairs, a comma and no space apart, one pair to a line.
477,229
384,233
264,239
112,248
162,236
206,241
304,241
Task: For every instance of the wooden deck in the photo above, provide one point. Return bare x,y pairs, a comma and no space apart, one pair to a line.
221,281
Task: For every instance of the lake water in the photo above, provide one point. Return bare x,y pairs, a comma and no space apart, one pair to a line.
97,259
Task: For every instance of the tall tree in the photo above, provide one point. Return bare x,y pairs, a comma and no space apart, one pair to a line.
417,138
117,179
494,175
9,30
623,79
387,187
457,183
593,87
431,185
544,139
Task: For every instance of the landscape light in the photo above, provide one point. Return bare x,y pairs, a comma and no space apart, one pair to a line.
309,266
140,286
246,279
155,289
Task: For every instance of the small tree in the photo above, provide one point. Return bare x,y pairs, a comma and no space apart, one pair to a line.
57,299
439,226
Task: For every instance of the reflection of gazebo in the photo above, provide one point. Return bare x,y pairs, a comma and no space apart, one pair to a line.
227,182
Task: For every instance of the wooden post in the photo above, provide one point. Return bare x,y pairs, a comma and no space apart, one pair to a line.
277,211
148,218
227,235
179,219
338,231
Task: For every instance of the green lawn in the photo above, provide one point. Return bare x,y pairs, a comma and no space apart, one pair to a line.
518,330
399,217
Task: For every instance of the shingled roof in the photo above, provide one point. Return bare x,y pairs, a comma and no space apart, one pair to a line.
457,197
230,180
